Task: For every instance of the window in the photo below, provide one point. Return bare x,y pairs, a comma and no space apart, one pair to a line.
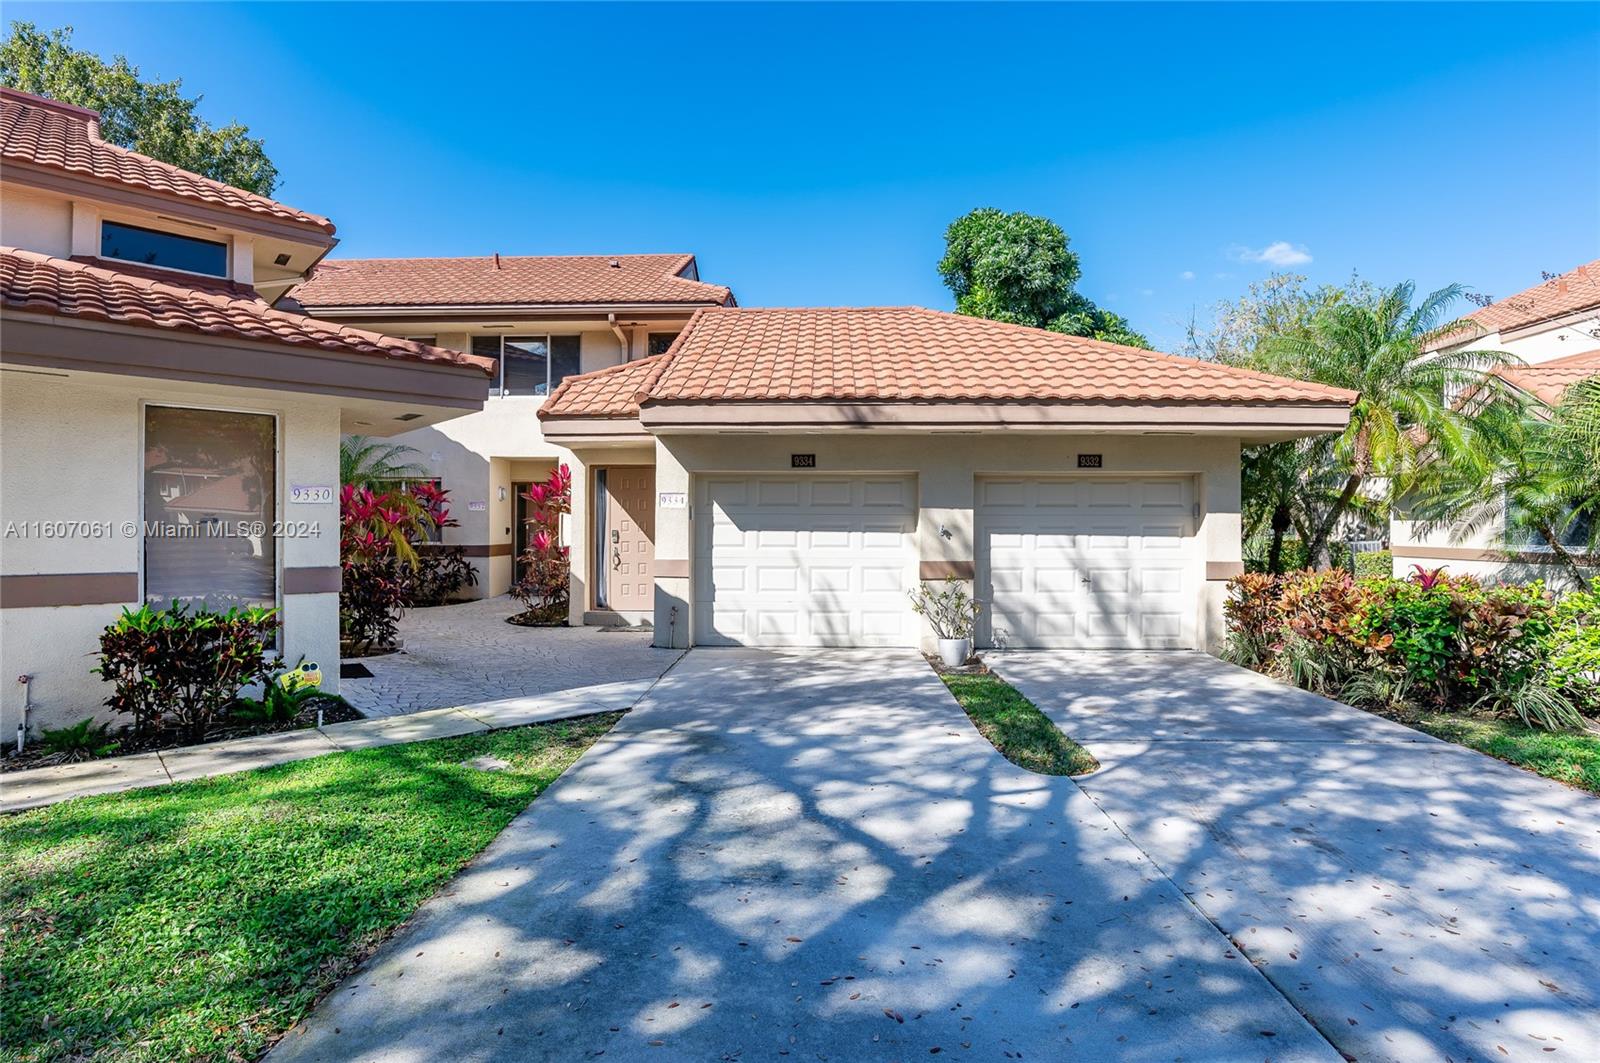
1521,533
658,342
531,365
525,366
210,499
151,247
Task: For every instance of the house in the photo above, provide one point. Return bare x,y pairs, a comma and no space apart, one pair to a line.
165,433
540,319
787,475
1552,331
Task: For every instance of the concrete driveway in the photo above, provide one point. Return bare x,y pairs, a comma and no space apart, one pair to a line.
1415,900
811,857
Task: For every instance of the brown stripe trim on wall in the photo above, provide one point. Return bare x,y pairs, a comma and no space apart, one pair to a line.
322,580
672,569
1224,569
485,549
947,570
1464,553
69,588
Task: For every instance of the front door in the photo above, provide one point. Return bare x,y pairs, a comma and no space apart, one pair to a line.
628,550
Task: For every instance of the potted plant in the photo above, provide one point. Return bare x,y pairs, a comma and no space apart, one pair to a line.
951,612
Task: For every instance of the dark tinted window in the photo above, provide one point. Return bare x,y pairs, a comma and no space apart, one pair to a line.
525,370
658,342
564,358
152,248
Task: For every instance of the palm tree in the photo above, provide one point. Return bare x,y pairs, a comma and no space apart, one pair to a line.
368,462
1532,470
1379,349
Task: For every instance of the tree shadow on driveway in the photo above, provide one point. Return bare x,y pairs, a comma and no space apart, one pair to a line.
814,857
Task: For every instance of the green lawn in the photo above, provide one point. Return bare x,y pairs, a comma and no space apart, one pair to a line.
200,920
1023,735
1563,756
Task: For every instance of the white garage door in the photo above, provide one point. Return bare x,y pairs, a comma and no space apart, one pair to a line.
1088,563
805,561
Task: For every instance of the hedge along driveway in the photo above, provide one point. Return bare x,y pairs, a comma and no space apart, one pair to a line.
202,919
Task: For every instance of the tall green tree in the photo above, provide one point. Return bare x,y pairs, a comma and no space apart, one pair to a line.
1379,350
1532,474
150,117
1019,268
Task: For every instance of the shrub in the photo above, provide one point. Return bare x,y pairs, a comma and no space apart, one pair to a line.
84,740
546,564
180,667
439,575
1572,646
1436,639
379,533
1374,564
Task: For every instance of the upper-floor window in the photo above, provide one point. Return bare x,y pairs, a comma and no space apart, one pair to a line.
530,365
151,247
658,342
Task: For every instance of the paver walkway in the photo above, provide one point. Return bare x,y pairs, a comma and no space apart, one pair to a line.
467,653
1416,900
806,857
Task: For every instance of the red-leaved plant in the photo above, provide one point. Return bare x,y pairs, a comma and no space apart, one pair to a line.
546,564
379,532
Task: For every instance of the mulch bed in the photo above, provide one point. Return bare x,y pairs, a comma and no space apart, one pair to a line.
334,710
554,616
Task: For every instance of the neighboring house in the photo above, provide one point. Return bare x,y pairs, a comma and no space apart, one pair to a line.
1553,331
541,319
791,473
164,433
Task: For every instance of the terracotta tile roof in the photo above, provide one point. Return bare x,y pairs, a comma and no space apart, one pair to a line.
1569,293
55,135
1548,381
610,392
908,354
506,280
33,283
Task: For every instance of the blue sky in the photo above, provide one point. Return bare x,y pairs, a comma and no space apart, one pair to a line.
814,154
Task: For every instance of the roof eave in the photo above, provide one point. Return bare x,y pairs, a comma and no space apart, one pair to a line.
1256,419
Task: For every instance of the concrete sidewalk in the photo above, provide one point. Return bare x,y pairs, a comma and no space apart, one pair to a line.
47,786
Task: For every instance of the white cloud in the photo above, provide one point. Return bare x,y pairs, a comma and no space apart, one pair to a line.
1277,253
1187,275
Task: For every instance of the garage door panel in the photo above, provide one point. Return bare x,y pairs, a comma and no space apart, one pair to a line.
824,561
1000,493
1131,538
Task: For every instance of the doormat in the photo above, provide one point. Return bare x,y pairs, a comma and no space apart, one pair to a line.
354,671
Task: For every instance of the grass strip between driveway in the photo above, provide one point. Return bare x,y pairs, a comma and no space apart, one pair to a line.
1564,756
1015,726
201,920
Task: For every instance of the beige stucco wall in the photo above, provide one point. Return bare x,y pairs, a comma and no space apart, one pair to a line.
947,468
70,450
480,456
35,222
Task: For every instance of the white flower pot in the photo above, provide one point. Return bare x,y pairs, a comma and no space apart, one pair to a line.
954,652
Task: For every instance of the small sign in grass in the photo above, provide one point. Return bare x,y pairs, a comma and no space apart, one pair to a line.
201,920
1015,726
